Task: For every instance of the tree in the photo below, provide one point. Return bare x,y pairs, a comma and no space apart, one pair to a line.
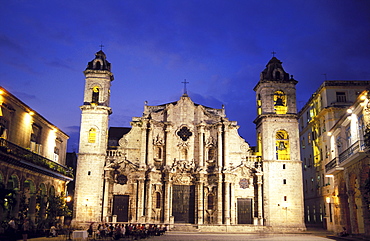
7,197
56,207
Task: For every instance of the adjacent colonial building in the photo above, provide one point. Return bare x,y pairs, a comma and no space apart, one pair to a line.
32,160
335,163
185,163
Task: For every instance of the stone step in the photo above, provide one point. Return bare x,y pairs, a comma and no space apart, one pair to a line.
185,228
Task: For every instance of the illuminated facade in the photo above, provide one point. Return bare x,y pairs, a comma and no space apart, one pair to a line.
278,145
32,159
185,163
326,143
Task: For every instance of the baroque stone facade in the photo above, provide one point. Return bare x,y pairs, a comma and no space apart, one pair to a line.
182,163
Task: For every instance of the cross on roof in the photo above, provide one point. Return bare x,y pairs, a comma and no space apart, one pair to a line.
273,53
185,82
101,46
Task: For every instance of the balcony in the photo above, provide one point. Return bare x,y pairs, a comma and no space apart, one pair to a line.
18,156
333,167
354,153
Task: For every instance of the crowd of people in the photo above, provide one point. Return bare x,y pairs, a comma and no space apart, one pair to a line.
131,231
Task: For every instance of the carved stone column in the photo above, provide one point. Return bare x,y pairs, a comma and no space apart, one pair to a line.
219,148
232,207
227,203
150,149
201,145
259,200
140,199
167,200
352,211
32,207
143,150
168,142
200,198
107,180
226,148
149,195
219,199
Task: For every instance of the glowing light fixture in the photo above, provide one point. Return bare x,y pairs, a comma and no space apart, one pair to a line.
68,199
31,113
363,97
349,111
327,199
329,133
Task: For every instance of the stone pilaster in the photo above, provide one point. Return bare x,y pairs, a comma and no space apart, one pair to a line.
219,148
149,201
219,199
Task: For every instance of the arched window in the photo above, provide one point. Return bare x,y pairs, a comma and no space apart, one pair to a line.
277,75
280,102
13,183
95,96
158,152
98,65
211,153
92,135
52,191
184,154
157,200
210,201
282,145
259,105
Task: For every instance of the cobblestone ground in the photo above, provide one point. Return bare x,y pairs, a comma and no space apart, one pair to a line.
173,236
194,236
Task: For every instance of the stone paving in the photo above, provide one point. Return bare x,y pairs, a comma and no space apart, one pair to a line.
316,235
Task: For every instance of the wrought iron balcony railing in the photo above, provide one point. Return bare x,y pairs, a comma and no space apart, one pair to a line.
331,165
24,156
358,146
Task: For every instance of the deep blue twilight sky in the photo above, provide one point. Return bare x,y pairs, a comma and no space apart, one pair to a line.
219,46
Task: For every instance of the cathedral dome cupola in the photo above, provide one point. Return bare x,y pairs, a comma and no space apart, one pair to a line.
99,63
274,71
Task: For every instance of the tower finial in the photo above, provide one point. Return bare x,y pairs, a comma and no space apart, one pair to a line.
273,53
185,90
101,46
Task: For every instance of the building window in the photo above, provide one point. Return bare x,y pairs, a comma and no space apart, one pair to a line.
211,153
56,154
36,139
284,181
210,201
259,105
157,200
283,166
280,102
95,95
282,145
341,97
92,135
158,153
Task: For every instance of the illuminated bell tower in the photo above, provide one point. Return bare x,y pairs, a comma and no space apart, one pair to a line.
93,140
278,144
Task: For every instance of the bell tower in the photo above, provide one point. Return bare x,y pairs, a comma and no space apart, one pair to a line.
93,140
278,145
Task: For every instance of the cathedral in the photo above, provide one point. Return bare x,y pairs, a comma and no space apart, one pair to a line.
182,163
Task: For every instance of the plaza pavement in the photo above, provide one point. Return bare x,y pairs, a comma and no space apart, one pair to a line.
309,235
